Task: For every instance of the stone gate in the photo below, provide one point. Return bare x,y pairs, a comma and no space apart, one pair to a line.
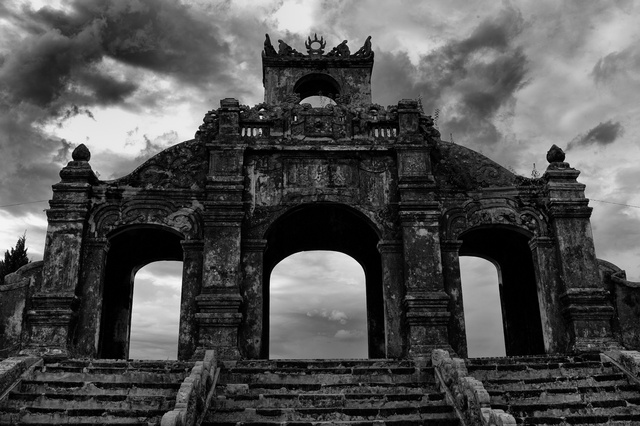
258,184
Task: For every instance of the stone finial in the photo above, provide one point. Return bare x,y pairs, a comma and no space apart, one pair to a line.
81,153
555,154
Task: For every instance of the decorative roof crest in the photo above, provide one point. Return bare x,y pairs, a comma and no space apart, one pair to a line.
309,44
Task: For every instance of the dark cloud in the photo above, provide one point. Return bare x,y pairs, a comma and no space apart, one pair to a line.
469,79
603,134
60,53
618,65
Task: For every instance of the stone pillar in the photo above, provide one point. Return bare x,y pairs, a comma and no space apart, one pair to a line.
426,302
191,280
394,293
52,316
252,292
453,288
92,286
550,288
219,302
585,300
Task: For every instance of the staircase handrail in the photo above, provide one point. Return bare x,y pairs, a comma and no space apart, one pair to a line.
467,394
13,369
195,394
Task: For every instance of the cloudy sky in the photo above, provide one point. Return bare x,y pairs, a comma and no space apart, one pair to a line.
131,77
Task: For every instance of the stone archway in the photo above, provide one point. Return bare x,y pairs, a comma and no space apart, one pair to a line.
130,250
326,226
509,250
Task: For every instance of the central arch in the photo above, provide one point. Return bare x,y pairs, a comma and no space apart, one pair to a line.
331,227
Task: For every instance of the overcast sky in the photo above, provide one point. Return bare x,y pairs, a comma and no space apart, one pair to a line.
130,78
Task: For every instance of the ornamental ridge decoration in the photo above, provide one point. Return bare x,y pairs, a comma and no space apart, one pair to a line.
315,49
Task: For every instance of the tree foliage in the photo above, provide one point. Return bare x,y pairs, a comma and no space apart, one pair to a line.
14,259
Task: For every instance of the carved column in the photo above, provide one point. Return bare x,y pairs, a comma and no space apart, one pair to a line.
586,304
53,309
218,315
394,293
252,292
92,286
426,302
191,280
453,288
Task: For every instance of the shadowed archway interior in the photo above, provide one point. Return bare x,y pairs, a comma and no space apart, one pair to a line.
336,228
129,251
510,252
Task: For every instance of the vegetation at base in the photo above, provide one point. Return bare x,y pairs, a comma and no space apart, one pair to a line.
14,259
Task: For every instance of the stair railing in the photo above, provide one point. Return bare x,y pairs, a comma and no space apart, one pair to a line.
13,369
195,394
467,394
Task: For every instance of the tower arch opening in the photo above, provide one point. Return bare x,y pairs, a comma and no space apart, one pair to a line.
333,227
508,249
130,250
317,84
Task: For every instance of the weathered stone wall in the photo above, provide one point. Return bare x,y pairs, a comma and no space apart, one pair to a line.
625,296
14,299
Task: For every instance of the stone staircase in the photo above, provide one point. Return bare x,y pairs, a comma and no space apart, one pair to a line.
90,392
296,392
559,390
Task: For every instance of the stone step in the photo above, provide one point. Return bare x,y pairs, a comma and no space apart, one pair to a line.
334,379
319,363
120,363
531,359
308,400
131,377
554,396
347,388
601,381
18,401
47,419
549,377
515,372
573,412
85,392
82,388
440,421
313,414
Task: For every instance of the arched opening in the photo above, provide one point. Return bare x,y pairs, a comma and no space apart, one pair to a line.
334,227
317,84
129,251
508,249
155,314
318,307
318,101
482,308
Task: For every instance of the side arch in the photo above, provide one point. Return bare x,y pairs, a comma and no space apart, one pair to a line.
130,249
507,247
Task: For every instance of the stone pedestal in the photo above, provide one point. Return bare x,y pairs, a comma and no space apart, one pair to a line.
586,304
52,316
218,319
